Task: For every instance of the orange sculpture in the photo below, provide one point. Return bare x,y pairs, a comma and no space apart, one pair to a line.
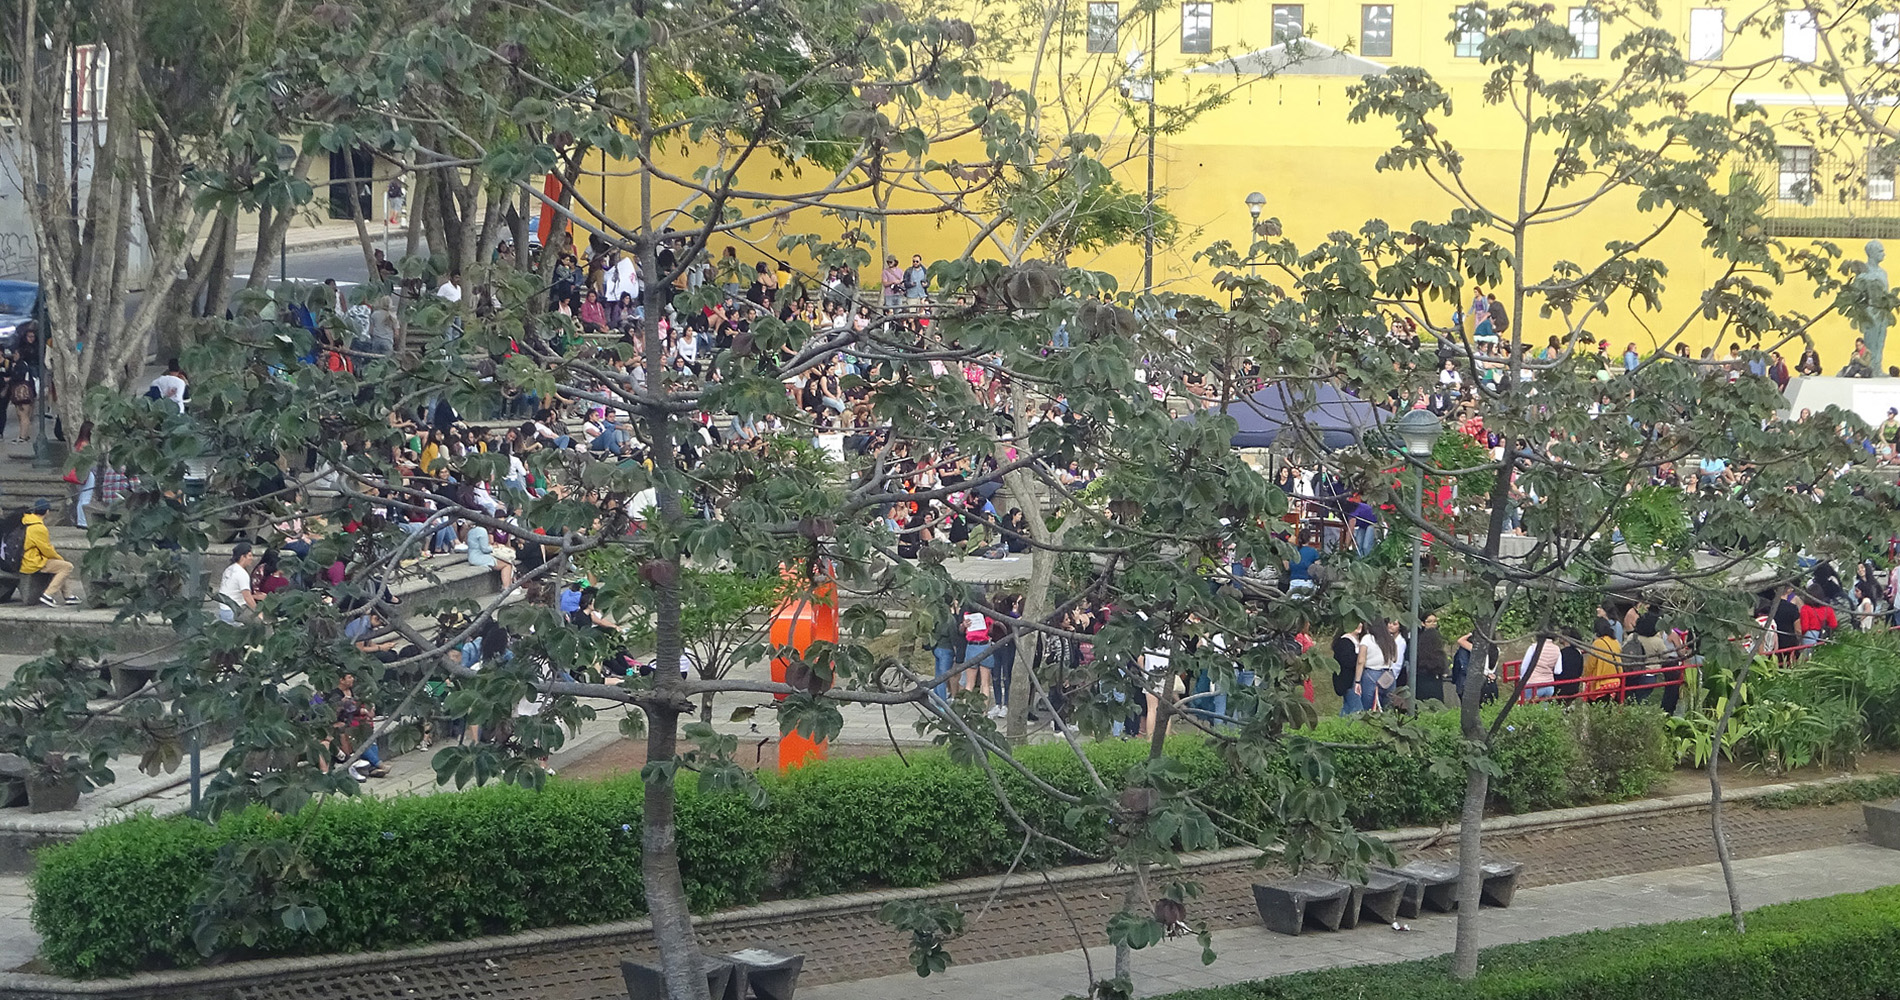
808,614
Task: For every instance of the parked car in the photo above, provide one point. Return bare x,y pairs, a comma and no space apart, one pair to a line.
19,302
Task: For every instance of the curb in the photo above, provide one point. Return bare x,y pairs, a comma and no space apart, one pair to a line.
328,242
498,946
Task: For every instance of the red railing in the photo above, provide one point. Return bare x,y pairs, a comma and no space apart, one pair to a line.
1615,687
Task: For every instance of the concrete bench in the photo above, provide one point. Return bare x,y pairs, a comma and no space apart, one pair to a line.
1499,884
765,973
1379,898
648,982
1289,905
28,586
1438,884
1883,823
134,672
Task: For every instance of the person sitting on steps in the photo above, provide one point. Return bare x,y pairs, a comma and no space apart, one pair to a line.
39,556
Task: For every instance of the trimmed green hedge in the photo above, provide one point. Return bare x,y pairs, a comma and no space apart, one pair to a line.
1837,948
498,859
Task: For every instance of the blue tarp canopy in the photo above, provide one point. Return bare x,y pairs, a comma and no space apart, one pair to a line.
1316,416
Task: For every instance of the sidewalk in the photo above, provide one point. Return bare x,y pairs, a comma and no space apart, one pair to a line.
1255,953
305,234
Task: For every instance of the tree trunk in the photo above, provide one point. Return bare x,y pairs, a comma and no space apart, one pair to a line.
1464,961
665,889
1716,827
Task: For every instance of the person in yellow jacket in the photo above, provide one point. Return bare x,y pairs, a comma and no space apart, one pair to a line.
39,556
1602,662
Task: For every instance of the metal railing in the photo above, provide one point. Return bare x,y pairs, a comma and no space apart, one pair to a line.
1618,687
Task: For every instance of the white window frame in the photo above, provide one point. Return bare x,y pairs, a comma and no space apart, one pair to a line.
1366,12
1795,185
1469,43
1880,173
1197,27
1708,33
1296,30
1586,26
1799,36
1883,38
1114,11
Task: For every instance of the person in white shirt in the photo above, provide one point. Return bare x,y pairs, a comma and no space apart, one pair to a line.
234,587
171,385
451,290
1382,652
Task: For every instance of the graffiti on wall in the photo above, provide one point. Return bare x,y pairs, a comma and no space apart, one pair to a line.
18,258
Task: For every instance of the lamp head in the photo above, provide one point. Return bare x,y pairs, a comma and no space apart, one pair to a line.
1255,202
1419,429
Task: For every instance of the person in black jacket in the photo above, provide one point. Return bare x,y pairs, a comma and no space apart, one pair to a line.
1431,662
1346,678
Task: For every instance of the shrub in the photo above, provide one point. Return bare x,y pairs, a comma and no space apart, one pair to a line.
500,859
1841,948
1622,751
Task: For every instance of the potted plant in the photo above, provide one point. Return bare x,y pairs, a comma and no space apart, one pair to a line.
54,782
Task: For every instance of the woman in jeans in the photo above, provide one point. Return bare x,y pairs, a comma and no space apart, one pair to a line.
1346,679
1381,652
1545,657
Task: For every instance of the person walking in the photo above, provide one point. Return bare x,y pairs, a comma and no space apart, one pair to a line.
22,392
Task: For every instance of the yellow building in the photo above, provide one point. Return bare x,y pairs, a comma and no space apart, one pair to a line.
1284,133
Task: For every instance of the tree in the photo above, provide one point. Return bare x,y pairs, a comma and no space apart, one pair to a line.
177,141
1583,440
1175,498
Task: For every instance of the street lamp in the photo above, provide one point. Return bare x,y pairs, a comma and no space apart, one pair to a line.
1419,429
1255,203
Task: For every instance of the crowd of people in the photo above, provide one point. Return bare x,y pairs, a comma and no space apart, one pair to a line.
447,512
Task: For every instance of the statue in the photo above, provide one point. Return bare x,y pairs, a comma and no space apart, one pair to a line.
1873,323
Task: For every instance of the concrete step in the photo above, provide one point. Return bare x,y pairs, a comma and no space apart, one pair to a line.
30,629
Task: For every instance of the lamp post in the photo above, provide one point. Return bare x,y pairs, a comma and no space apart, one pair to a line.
1419,429
1255,203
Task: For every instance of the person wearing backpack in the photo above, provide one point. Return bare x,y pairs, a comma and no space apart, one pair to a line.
37,555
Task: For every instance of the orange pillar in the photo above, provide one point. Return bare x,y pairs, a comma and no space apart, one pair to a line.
552,188
809,615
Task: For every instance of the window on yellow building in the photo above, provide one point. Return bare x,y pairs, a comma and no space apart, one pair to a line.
1797,35
1471,24
1289,21
1883,38
1197,27
1880,164
1585,29
1796,181
1375,29
1707,33
1104,25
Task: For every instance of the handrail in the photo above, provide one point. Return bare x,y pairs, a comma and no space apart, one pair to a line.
1618,686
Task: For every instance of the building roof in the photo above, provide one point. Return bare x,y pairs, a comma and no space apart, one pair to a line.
1300,57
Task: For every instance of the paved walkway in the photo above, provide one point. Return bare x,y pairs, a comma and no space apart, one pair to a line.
1255,953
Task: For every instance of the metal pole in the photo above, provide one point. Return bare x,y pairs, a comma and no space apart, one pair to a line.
1148,237
1418,542
196,770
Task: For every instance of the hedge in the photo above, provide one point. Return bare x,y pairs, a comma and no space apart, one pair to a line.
1836,948
392,872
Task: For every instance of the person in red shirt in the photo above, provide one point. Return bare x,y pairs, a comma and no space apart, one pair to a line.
1818,621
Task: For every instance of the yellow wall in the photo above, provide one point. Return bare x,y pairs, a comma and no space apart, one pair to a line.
1288,138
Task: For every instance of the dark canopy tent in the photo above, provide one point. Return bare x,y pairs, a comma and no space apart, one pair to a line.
1316,416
